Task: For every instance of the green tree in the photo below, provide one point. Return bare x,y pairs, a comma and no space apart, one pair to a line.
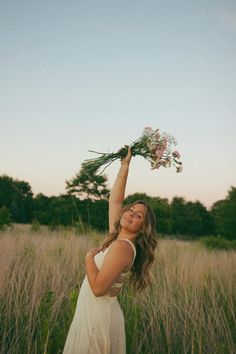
97,214
41,208
16,196
162,211
84,186
179,213
191,218
194,222
90,199
137,196
62,210
5,217
224,213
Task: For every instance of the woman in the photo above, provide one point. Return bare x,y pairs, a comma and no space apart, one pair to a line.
128,251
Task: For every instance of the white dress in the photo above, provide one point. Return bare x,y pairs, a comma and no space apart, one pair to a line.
98,323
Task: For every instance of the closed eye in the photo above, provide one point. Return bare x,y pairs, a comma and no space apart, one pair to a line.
137,213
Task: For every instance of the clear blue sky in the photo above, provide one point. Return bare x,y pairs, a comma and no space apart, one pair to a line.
81,75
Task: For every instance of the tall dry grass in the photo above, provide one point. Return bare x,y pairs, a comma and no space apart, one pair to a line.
190,308
192,305
38,273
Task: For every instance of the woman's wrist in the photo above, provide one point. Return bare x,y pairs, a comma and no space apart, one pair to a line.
89,258
124,168
123,171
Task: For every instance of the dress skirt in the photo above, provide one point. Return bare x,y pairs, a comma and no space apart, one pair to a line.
97,326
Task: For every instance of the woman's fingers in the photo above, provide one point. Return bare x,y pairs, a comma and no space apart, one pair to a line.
126,159
129,154
94,251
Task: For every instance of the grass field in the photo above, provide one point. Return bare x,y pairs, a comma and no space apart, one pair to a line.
191,307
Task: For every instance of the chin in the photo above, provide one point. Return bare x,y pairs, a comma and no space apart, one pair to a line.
126,227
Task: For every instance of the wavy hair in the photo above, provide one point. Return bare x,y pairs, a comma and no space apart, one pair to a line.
145,243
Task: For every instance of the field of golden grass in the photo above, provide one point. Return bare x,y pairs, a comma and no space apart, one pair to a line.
191,307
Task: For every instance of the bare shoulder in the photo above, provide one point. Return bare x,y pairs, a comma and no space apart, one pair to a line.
122,246
118,258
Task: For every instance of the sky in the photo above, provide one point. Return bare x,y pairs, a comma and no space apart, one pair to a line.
91,75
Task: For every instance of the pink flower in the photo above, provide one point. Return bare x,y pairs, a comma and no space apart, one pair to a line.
157,135
147,130
164,142
160,150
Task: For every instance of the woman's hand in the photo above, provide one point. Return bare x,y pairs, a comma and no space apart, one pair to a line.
126,160
92,253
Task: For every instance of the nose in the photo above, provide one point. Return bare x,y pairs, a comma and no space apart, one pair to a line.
130,214
133,214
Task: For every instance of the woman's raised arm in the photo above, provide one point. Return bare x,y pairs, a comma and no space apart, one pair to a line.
118,191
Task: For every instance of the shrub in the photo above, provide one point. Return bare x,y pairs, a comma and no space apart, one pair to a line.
35,227
219,243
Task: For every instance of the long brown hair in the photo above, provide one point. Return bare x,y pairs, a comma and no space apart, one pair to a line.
145,243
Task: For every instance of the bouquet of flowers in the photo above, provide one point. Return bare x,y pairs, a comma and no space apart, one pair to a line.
152,145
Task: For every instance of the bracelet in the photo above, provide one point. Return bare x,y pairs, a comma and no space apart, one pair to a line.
120,175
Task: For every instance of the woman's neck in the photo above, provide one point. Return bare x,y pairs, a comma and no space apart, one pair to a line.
123,234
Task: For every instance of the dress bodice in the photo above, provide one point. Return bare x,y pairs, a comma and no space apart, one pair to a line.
99,259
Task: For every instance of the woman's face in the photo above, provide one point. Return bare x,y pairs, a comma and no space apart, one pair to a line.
133,218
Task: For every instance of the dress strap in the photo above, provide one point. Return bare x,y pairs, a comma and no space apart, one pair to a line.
134,249
131,243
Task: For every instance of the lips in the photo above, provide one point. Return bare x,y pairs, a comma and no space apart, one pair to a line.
128,219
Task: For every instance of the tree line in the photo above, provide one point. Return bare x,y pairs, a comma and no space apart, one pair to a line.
85,205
